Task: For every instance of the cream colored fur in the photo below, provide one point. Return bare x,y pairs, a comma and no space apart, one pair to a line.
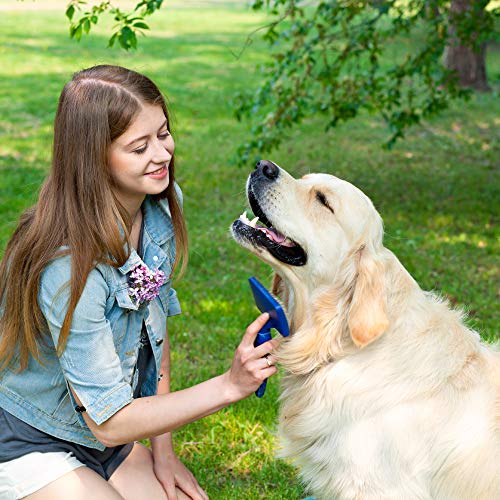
387,394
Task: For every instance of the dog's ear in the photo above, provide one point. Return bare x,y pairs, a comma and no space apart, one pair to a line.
367,318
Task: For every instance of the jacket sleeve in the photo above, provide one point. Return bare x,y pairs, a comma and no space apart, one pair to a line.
89,361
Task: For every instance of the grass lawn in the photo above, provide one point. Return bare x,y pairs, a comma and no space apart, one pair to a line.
438,192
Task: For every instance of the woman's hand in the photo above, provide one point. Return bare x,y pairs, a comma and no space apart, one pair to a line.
174,475
249,367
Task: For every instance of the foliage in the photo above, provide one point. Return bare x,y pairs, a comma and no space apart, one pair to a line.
127,26
335,59
327,59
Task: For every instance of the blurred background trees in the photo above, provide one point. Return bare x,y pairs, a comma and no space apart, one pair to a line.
336,58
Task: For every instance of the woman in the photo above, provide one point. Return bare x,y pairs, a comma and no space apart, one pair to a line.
83,342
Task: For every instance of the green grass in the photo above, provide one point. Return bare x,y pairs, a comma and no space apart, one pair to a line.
437,191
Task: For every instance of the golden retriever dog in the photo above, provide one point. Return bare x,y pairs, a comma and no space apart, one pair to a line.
386,393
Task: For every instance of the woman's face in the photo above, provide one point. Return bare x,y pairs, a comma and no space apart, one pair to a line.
140,157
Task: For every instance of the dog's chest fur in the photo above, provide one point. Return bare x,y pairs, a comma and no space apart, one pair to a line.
359,429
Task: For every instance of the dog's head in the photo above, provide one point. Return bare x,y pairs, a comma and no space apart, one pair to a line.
322,236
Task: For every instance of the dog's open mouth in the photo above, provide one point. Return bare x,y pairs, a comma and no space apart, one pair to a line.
278,245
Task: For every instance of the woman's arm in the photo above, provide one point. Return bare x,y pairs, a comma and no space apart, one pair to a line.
155,415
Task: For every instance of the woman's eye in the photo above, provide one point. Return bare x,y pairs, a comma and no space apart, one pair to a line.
161,136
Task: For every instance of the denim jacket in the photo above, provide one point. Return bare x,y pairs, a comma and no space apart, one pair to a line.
100,355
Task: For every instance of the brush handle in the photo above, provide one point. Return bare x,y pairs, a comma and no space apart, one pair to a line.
263,336
261,390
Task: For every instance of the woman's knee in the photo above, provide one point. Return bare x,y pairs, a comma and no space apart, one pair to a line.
140,457
135,477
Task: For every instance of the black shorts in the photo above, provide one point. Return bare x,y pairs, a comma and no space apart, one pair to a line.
17,438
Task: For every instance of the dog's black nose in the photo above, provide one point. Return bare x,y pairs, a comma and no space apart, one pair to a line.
269,169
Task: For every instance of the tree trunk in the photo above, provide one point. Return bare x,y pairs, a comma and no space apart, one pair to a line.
467,62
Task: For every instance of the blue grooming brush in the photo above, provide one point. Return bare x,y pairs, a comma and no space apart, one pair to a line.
277,320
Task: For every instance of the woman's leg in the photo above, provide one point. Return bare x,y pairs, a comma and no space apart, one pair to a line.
135,478
79,484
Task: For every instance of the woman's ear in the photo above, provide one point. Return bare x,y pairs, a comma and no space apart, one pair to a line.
367,316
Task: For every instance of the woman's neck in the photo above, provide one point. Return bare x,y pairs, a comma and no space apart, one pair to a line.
135,231
132,206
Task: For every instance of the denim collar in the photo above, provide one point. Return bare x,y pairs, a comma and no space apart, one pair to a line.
157,220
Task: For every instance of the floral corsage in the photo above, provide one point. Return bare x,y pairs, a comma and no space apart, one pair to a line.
144,284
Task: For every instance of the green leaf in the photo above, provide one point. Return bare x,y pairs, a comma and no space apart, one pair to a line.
133,41
141,25
78,32
112,40
127,38
70,11
72,30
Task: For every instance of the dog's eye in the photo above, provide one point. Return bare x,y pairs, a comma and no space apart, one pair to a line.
322,199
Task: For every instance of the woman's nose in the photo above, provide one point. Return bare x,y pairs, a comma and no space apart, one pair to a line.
161,153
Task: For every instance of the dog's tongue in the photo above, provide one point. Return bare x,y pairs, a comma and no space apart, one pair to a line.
275,236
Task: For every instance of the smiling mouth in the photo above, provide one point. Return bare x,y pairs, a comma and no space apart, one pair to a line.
278,245
161,170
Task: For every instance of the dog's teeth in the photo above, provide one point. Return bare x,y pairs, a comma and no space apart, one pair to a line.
244,218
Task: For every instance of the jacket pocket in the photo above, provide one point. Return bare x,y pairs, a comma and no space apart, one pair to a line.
124,301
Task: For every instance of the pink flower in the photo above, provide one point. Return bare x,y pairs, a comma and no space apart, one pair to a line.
144,284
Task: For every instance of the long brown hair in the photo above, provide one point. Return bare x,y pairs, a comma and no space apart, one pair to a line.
76,207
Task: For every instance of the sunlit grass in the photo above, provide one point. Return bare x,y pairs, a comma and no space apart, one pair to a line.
437,191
